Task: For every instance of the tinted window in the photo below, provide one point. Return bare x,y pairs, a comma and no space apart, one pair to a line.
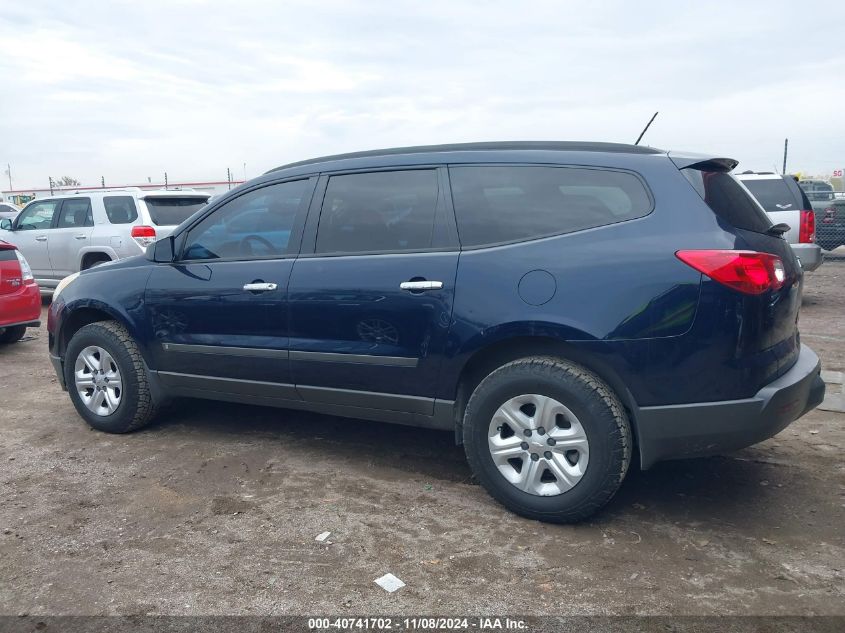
254,225
76,212
506,204
773,195
38,215
170,211
120,209
385,211
728,199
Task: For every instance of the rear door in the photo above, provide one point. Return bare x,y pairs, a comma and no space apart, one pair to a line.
32,230
218,313
371,294
71,234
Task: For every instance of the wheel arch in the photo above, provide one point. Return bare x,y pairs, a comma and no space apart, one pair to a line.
78,316
488,358
88,257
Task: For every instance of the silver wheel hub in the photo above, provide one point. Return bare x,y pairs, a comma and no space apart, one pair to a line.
98,381
538,445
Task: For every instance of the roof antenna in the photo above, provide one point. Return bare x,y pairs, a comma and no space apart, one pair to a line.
647,125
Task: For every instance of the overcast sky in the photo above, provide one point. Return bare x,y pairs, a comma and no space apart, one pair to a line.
131,90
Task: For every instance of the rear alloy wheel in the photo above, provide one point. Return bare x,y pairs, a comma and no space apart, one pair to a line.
12,334
547,438
106,378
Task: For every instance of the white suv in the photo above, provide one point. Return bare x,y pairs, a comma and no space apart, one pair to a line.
71,232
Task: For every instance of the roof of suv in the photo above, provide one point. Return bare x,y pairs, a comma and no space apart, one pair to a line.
563,146
136,192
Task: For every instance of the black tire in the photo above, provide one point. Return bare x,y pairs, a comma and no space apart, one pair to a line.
600,413
12,334
136,407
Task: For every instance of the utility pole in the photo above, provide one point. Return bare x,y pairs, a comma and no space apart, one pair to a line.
103,182
785,148
244,172
165,181
9,174
229,177
51,185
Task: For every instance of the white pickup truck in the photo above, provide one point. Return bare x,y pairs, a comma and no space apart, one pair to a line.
786,203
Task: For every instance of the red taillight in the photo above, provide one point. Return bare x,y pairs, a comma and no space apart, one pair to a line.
746,271
807,230
144,235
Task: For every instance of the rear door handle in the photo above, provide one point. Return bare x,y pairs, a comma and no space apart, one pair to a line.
80,237
40,238
260,287
421,285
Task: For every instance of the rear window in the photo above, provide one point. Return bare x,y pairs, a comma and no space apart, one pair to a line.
728,199
506,204
171,211
773,194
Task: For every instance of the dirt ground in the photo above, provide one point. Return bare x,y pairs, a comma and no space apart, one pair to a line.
214,510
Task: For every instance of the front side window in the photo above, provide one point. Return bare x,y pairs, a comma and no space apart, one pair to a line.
254,225
38,215
390,211
75,213
120,209
497,204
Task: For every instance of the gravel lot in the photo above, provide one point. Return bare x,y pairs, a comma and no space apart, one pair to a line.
214,510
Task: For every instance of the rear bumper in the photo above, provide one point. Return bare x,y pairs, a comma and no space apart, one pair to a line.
35,323
21,307
706,428
811,255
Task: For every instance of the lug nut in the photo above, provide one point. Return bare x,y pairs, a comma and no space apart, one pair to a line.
534,457
524,446
541,431
527,432
551,441
547,454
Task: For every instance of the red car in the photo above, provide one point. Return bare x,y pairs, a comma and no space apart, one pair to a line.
20,298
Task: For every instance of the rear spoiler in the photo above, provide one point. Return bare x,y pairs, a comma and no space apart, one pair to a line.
702,162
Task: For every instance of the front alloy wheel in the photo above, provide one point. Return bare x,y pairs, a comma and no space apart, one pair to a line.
98,381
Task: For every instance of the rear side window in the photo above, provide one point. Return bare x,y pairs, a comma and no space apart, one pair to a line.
506,204
166,211
76,212
728,199
120,209
391,211
773,194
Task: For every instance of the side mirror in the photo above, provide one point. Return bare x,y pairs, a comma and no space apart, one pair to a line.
6,224
162,250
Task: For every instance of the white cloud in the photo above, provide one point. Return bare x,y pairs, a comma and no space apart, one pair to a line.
128,90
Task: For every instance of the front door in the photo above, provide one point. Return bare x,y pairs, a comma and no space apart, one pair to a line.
370,305
218,313
31,234
71,236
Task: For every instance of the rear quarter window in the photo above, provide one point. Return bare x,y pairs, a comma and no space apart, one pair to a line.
728,199
166,211
498,204
120,209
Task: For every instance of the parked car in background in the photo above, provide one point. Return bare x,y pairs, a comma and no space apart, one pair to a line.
20,299
72,232
8,211
786,203
556,306
829,206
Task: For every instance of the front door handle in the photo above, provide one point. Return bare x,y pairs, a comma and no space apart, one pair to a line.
260,287
40,238
421,285
80,237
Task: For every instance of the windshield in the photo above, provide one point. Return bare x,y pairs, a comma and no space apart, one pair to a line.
172,211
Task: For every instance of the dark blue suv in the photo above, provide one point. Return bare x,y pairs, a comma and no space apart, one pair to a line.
561,307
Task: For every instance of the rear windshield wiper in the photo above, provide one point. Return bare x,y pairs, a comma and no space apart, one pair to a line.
778,229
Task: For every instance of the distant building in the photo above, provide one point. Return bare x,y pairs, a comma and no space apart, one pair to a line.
21,196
